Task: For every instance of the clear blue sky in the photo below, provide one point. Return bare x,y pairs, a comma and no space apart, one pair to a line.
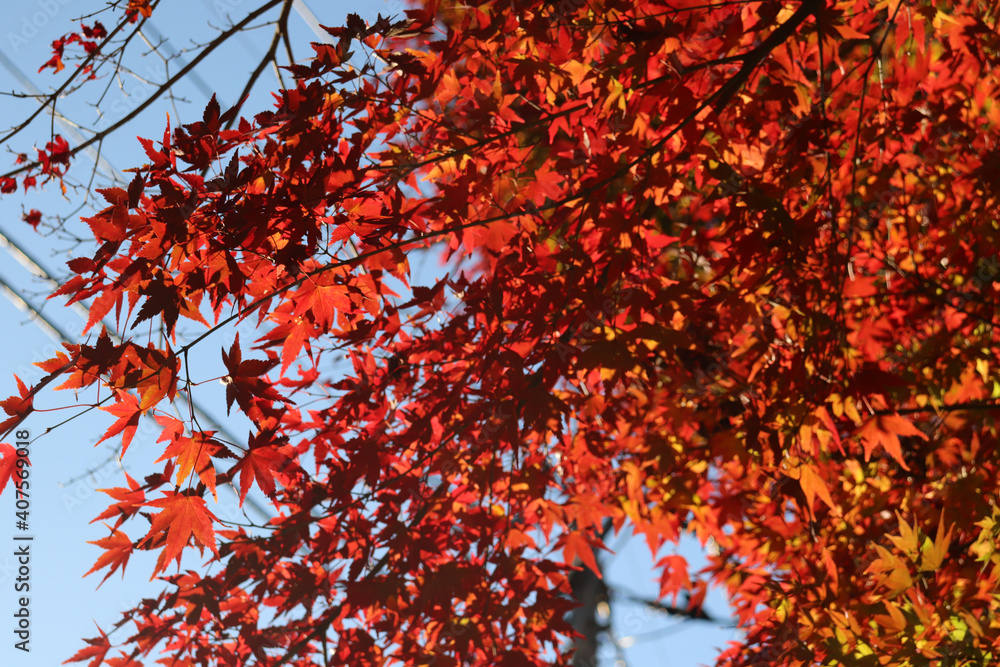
63,495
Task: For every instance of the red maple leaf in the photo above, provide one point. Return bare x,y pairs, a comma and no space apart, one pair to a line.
130,501
117,550
18,407
99,647
244,381
182,517
259,464
124,660
193,454
578,547
8,461
128,411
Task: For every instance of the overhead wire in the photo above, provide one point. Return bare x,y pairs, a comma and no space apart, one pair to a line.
18,300
60,334
68,127
26,259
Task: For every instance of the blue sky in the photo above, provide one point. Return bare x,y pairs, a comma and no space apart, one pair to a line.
66,468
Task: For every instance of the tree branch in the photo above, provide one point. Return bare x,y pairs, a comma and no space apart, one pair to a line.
99,136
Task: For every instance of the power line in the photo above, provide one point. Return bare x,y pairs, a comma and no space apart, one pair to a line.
13,295
33,265
70,130
58,333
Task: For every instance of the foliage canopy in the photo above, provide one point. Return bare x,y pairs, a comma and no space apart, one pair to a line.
726,270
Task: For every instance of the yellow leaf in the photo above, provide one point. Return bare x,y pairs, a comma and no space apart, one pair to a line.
896,575
983,368
933,554
958,634
899,580
907,540
985,546
616,96
851,410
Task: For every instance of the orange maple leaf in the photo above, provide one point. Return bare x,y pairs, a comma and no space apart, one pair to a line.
124,660
182,517
813,486
193,453
127,410
130,501
18,407
6,464
141,6
675,577
576,547
99,647
885,430
117,550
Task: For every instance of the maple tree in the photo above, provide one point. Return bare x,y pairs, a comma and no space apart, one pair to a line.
723,269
